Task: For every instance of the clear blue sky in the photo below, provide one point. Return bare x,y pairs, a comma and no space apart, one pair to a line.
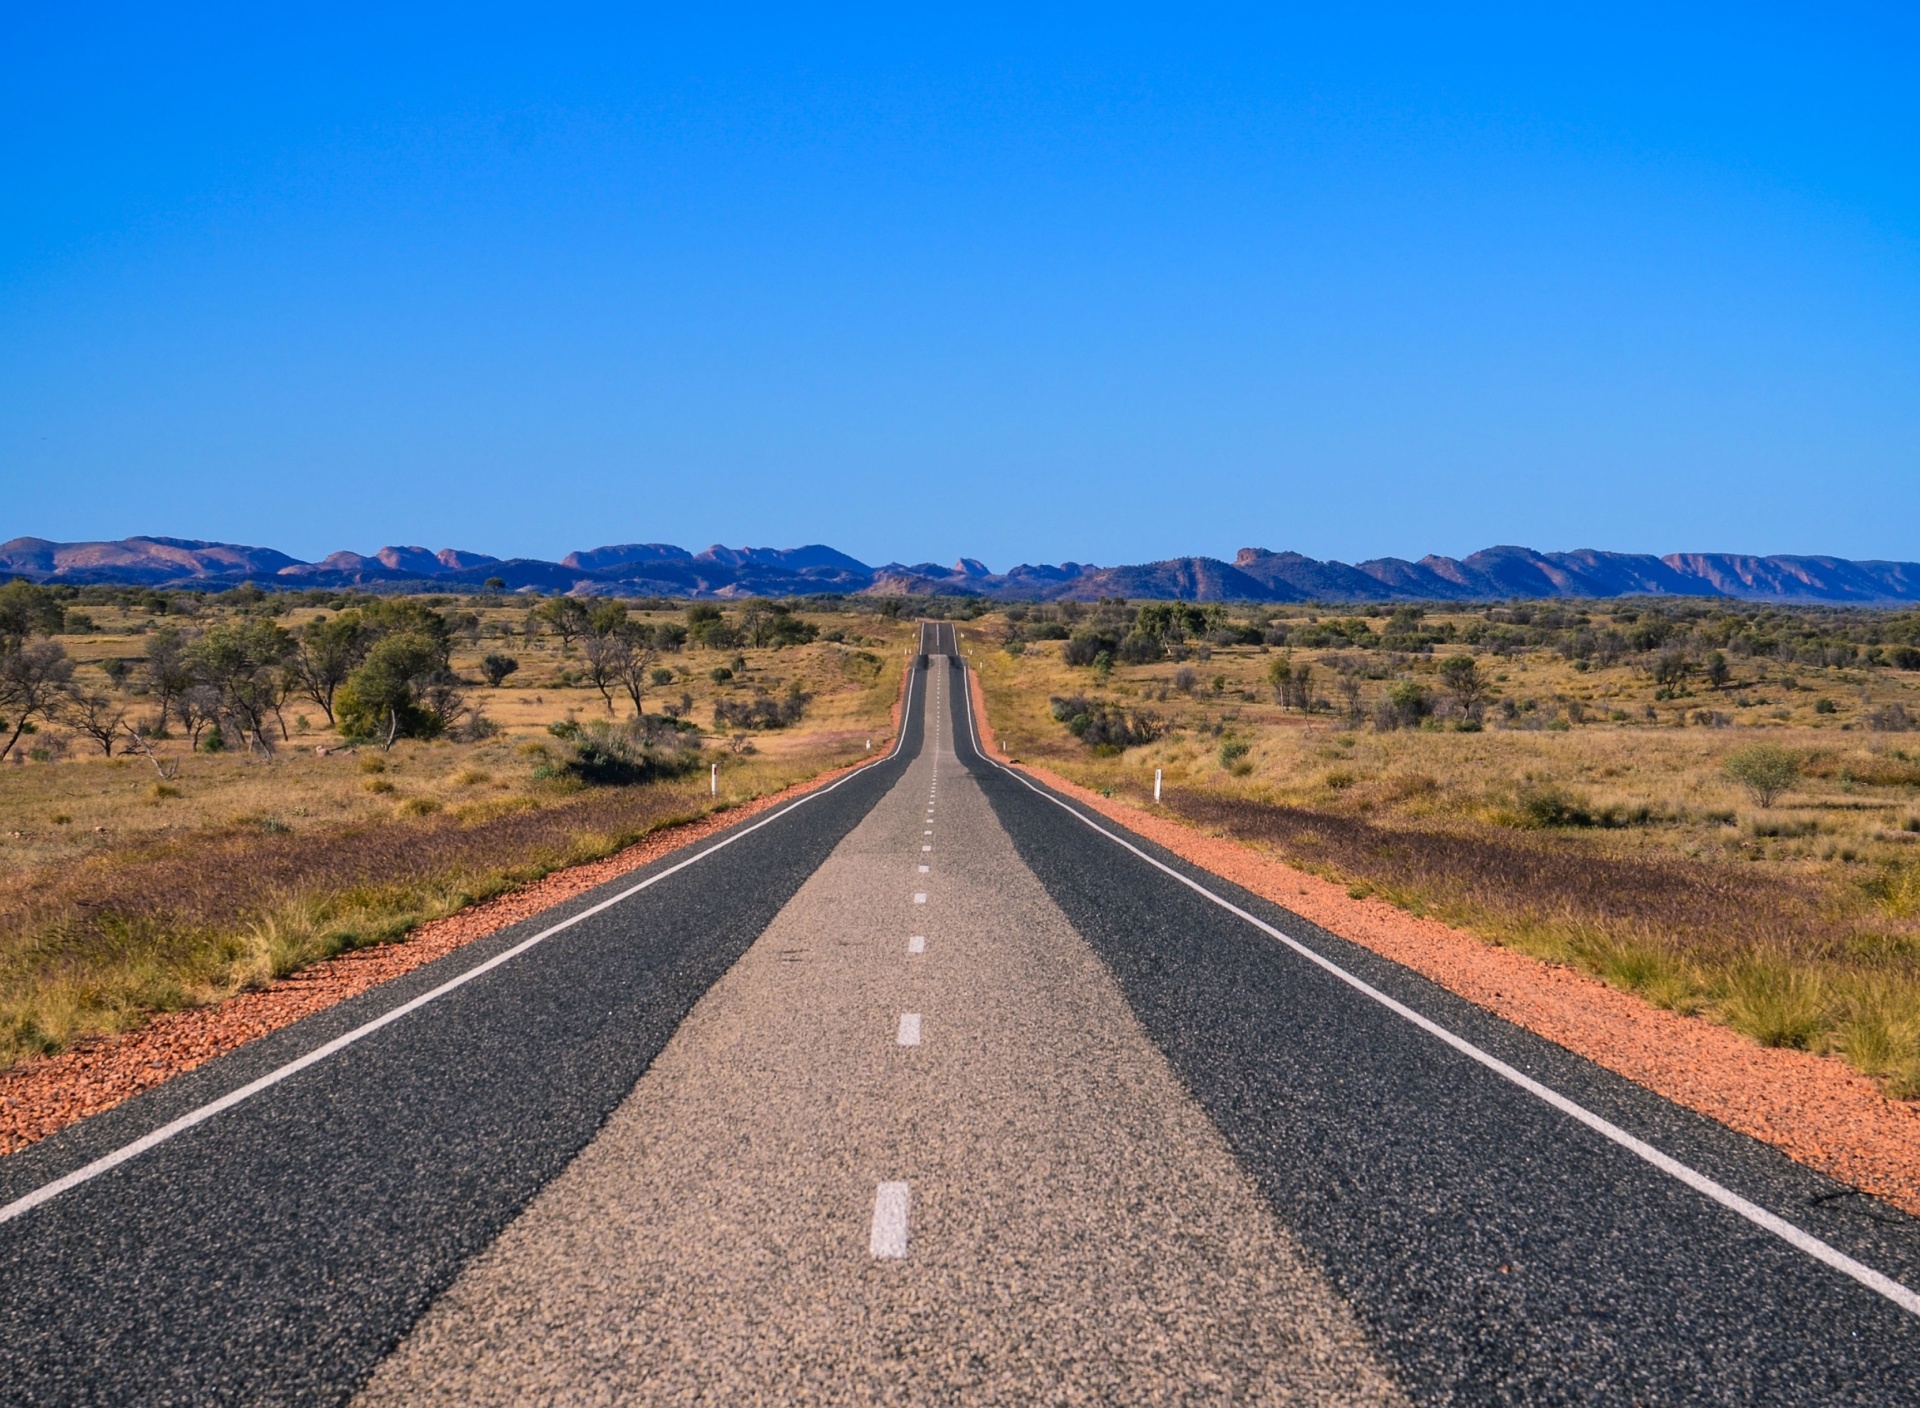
1100,287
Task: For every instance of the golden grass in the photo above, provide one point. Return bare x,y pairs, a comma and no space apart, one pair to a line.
1618,845
122,894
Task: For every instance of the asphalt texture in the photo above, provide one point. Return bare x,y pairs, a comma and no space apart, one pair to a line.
1075,1232
1496,1250
276,1252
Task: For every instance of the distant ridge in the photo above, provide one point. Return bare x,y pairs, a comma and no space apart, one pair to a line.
1255,574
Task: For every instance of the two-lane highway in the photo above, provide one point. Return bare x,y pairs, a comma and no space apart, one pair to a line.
933,1087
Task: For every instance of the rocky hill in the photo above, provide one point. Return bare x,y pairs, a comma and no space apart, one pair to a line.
1255,574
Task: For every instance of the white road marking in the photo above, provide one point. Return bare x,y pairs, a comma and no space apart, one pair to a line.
927,869
1878,1281
909,1029
920,898
917,944
926,848
47,1192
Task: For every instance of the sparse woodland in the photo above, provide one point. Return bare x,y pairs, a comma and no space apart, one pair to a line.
1712,804
200,793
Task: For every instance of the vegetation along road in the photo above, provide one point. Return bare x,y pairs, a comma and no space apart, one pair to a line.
931,1086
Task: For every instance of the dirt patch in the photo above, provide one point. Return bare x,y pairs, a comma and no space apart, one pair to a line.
44,1094
1815,1109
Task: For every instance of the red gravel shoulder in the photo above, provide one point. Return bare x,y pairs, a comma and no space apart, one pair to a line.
45,1094
1815,1109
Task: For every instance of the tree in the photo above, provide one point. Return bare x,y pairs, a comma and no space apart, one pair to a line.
1670,669
169,672
1292,684
326,652
243,662
498,667
27,610
634,664
1461,678
606,646
403,689
31,680
99,716
197,706
566,616
1765,770
1717,671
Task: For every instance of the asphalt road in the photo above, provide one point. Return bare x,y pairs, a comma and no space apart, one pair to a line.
1045,1121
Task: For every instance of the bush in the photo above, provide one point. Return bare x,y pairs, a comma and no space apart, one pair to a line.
1890,718
1404,706
1102,727
638,750
764,711
1765,770
1550,804
1088,646
498,667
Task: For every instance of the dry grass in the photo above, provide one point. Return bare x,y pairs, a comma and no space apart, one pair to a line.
122,895
1617,845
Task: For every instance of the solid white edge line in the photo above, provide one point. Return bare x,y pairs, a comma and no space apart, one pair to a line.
87,1172
1907,1299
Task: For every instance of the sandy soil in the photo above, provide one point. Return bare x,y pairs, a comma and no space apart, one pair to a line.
1815,1109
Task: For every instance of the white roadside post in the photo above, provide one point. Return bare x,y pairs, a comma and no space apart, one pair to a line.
1156,784
715,784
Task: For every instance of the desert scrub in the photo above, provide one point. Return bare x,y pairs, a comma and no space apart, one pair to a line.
1775,958
178,920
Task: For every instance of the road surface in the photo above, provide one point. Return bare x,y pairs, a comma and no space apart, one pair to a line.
931,1088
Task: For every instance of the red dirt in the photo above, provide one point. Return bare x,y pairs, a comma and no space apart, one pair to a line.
47,1093
1815,1109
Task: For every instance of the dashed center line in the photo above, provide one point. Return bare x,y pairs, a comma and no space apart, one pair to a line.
888,1239
917,944
927,869
920,898
909,1034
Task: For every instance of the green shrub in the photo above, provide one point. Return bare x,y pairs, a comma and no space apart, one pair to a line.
621,754
1765,770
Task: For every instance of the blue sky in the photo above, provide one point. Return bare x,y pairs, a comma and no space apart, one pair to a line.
1100,286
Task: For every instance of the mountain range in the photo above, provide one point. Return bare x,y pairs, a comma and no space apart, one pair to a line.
1255,574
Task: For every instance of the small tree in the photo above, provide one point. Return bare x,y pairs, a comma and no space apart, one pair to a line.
634,665
32,678
405,689
1461,678
1718,672
1765,770
243,663
607,645
325,653
498,667
197,706
169,673
98,716
1670,670
566,616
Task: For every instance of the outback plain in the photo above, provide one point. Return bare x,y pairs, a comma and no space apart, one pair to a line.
1713,806
208,793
